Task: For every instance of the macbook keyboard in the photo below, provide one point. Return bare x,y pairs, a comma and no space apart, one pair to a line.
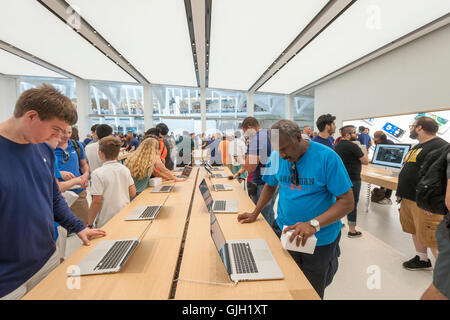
243,257
165,188
150,212
219,187
115,254
219,205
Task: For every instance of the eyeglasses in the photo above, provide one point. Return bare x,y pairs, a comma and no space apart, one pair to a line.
66,156
294,174
412,126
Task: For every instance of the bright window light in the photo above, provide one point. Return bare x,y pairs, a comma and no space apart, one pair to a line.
247,36
152,35
366,26
29,26
10,64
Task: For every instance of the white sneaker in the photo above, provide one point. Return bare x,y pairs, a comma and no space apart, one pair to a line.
385,201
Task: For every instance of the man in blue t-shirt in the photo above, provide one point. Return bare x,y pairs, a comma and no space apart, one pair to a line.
327,127
30,200
257,157
72,166
315,192
364,138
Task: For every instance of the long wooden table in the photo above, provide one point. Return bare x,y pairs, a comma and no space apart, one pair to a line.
201,262
149,272
377,177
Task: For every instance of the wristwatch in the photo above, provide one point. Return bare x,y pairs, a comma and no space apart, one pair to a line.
90,226
315,224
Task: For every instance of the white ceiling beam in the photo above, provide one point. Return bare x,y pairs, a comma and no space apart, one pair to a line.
36,60
412,36
64,11
327,15
199,22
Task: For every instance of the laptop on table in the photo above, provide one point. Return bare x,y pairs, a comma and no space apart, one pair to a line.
207,165
109,256
144,213
245,259
162,189
218,206
186,172
220,186
216,175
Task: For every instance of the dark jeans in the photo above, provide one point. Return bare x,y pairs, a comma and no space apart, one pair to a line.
267,212
320,267
351,217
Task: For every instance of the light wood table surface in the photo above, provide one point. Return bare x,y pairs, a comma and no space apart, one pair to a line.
149,272
201,262
377,177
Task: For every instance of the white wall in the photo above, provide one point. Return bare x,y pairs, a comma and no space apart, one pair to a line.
414,77
8,97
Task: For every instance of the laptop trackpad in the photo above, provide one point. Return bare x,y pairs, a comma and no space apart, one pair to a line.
262,254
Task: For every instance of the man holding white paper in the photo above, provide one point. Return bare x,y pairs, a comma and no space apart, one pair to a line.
314,194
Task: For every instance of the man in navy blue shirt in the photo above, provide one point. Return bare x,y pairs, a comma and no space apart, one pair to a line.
326,126
364,137
314,194
30,200
257,157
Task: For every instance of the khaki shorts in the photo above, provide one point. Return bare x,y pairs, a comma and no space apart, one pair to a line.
81,207
415,221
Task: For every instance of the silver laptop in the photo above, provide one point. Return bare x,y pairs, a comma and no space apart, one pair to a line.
213,168
163,189
245,259
218,206
216,175
186,172
220,186
144,213
109,256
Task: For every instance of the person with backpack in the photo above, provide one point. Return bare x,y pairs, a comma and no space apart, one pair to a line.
421,226
169,142
73,163
433,195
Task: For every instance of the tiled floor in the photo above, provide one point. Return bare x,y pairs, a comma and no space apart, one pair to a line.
370,267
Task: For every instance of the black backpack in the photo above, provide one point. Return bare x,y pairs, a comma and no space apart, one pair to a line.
430,191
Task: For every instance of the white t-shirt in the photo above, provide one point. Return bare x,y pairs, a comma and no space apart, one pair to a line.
111,181
236,148
92,156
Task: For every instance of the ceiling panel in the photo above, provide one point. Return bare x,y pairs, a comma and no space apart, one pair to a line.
366,26
152,35
247,36
29,26
11,64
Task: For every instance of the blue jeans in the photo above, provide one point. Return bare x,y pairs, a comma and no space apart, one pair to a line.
319,268
351,217
267,212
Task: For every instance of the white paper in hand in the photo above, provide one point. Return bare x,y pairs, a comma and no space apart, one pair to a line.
309,247
70,197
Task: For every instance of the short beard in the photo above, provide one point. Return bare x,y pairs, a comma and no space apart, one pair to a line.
413,135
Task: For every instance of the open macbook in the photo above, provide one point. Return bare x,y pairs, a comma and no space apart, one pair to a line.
218,206
144,213
213,168
186,172
109,256
246,259
220,186
162,189
216,175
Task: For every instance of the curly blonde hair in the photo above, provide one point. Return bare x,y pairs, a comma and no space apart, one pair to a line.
142,161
